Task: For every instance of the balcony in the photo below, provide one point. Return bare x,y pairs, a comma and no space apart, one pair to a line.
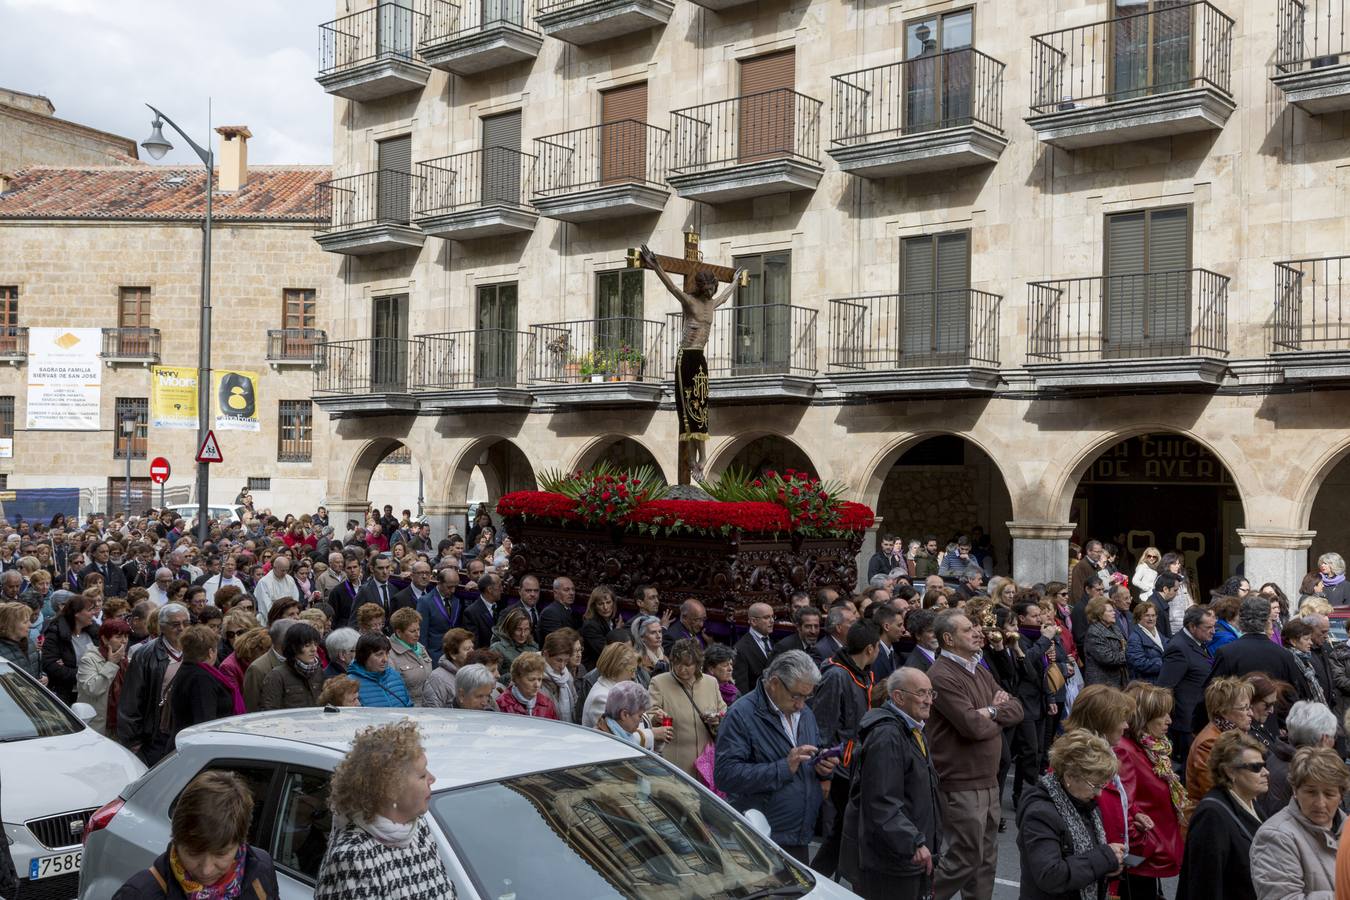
368,376
1148,75
364,214
750,146
1161,330
473,195
584,22
598,362
13,344
757,354
1312,59
371,54
924,342
934,113
486,369
602,172
295,347
135,346
1311,333
473,36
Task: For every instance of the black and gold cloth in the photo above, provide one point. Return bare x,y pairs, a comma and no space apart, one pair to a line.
691,393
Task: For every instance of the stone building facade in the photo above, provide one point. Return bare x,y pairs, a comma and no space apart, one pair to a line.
1080,258
31,134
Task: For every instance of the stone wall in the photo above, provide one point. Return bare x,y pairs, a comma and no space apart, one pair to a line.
31,136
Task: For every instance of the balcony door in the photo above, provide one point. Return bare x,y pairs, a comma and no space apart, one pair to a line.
1150,47
1147,286
501,159
767,106
619,312
934,310
389,344
623,134
393,198
394,24
133,321
494,363
505,12
762,316
939,71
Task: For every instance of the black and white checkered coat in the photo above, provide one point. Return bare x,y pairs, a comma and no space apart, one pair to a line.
358,867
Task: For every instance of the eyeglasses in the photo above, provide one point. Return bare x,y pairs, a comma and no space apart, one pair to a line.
931,693
231,635
175,623
1255,768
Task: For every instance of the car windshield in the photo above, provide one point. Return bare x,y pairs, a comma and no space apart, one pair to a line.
27,712
626,828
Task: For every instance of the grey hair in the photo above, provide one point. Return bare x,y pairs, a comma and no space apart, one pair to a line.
470,678
12,572
879,580
836,617
1254,614
792,667
639,625
341,640
169,609
627,697
972,571
163,570
1307,723
1315,619
898,679
277,630
1333,561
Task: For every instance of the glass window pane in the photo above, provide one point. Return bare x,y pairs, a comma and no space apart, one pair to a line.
957,30
921,38
303,824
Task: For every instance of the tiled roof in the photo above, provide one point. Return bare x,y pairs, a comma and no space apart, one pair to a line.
273,193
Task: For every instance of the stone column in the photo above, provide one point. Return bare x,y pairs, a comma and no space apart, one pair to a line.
869,546
341,510
1276,554
439,518
1040,551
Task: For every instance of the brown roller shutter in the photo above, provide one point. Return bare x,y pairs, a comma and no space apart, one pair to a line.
767,108
501,158
623,137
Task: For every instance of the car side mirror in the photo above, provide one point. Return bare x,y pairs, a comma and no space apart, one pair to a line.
757,820
84,712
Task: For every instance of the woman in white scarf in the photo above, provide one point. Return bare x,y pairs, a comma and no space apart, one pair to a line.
562,659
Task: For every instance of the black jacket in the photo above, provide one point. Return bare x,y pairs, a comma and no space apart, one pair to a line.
406,599
555,616
59,663
894,807
750,662
1321,663
482,623
138,707
196,696
917,659
1185,671
840,700
677,632
1254,653
158,883
114,582
370,593
344,605
1051,870
1216,862
1031,683
794,642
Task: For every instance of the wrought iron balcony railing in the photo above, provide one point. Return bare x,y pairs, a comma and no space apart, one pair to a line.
363,366
382,197
470,360
1311,34
1312,304
447,22
768,339
928,329
611,349
385,31
944,90
1157,314
298,345
131,344
493,176
1171,48
777,124
623,152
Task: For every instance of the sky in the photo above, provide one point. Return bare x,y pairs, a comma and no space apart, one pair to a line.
101,61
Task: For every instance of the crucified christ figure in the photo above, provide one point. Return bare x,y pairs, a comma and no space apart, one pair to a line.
691,366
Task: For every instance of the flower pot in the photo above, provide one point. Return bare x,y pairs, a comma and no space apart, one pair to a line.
597,378
572,372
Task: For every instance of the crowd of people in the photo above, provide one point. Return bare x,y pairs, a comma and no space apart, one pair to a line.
1150,732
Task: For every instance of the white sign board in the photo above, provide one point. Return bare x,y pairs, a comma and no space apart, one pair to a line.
64,378
6,448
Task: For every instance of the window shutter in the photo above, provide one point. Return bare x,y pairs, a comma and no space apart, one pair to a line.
916,300
1169,287
767,120
951,303
1124,289
501,166
623,111
394,196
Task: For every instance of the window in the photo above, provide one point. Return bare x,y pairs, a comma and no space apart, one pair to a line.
295,433
4,481
137,408
389,349
259,483
9,308
768,109
937,77
1151,47
494,363
934,299
297,308
257,777
618,309
500,182
303,824
1147,285
400,457
133,322
7,417
394,190
762,337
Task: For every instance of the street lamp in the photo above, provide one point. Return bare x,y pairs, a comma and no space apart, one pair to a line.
157,145
128,438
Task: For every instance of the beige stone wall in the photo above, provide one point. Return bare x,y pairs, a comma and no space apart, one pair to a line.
31,136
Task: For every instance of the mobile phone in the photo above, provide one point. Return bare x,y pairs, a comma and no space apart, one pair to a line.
822,755
1131,860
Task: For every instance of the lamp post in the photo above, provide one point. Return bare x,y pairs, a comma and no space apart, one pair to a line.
129,438
157,145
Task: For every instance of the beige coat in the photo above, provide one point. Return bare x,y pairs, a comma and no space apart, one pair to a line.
92,680
1291,857
691,735
414,667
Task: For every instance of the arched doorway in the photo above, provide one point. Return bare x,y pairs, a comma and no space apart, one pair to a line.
945,487
623,453
396,479
1164,490
1330,515
496,468
769,452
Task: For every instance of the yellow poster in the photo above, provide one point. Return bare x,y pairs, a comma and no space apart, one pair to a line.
236,401
173,397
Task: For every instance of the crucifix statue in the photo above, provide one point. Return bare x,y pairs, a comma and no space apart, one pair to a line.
699,301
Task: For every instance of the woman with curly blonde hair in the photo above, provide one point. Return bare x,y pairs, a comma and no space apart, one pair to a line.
381,845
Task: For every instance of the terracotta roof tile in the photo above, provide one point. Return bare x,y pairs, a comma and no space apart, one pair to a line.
273,193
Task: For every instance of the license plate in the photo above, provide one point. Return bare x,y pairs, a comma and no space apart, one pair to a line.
57,864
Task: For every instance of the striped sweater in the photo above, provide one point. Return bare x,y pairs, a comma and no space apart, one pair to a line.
358,867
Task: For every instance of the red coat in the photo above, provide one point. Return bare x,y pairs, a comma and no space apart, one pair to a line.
1161,846
543,705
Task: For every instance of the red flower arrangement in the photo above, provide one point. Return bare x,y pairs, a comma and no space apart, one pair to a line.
704,515
538,505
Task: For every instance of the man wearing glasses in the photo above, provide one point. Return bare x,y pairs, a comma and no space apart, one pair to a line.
151,671
894,801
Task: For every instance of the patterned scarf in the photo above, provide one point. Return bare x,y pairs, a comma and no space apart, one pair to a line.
1083,841
1223,724
229,887
1159,753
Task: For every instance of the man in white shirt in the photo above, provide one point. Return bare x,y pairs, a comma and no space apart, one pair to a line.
277,585
227,575
159,591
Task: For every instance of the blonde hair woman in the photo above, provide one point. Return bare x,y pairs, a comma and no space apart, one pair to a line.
1147,571
1229,703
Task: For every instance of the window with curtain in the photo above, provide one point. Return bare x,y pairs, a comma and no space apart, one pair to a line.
619,310
495,349
761,334
7,417
1150,47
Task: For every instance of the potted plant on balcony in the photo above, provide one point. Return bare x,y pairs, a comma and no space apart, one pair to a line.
559,359
629,363
591,367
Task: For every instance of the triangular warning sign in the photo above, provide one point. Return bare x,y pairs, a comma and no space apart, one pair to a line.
209,452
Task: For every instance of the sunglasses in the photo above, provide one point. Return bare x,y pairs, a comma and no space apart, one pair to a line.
1255,768
231,635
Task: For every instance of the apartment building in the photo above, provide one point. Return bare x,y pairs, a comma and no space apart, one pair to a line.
1057,268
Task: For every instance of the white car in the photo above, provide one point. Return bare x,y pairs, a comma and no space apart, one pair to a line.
55,772
188,512
521,807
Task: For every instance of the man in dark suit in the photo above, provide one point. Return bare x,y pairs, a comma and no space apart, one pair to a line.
889,626
114,582
807,621
885,559
1255,652
692,617
919,624
440,611
529,604
1035,639
482,616
378,589
343,597
559,613
1186,666
837,623
754,648
420,584
1165,587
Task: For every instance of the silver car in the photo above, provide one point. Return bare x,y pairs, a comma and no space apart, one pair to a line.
521,807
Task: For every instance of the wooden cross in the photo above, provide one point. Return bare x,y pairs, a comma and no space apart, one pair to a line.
690,265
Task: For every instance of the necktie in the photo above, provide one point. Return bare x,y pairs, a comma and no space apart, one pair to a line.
534,617
918,738
384,595
766,647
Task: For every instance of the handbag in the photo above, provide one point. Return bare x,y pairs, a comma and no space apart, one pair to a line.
704,767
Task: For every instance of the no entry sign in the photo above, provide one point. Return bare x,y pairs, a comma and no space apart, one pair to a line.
159,470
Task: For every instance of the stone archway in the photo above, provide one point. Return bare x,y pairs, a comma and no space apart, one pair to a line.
623,451
758,453
384,470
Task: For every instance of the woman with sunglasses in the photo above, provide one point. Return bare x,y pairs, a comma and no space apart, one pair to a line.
1147,571
1217,861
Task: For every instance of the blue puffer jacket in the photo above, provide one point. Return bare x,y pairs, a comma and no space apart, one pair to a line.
751,767
380,688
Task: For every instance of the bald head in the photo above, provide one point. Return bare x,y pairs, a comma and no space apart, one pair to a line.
910,689
761,617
